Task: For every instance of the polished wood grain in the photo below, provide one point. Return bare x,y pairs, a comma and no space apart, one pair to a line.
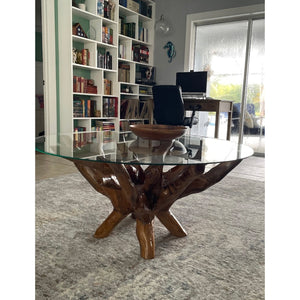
145,235
148,193
158,131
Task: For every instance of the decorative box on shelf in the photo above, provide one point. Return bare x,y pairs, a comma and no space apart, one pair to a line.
78,30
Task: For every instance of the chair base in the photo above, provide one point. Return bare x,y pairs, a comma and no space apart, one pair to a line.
178,148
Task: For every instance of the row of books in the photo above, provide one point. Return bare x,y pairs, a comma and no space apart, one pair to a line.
81,137
123,50
127,29
107,128
107,35
84,108
140,53
143,34
138,6
105,9
110,107
104,59
81,57
124,72
83,85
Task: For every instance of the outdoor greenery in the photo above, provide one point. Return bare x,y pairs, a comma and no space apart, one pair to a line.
234,92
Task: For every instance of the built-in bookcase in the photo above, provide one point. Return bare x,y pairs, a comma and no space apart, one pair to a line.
91,48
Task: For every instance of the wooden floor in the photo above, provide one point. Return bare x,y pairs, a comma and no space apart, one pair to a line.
49,166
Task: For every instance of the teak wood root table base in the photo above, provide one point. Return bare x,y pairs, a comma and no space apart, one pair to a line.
148,193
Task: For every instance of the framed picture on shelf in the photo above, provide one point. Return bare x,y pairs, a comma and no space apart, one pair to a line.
145,75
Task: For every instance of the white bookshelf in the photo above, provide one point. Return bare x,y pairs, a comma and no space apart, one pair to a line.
92,24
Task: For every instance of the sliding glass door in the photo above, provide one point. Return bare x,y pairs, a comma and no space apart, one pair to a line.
233,54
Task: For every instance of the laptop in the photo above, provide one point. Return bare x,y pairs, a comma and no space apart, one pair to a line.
193,84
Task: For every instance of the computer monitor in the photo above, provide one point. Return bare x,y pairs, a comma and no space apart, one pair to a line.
192,82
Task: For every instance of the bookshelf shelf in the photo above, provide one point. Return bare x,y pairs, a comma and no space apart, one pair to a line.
145,95
89,60
128,12
133,62
88,94
82,39
135,41
90,16
87,40
106,45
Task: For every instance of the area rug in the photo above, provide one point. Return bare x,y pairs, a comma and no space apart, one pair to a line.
221,258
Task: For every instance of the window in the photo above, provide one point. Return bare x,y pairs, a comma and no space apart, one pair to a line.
231,49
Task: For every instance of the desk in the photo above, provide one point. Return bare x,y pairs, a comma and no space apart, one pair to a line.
150,191
212,105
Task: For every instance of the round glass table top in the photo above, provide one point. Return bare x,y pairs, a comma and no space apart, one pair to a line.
126,148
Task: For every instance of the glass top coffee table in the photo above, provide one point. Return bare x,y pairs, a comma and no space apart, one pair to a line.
144,177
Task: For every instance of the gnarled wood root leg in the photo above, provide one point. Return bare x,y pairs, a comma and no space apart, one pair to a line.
171,223
145,235
109,224
148,193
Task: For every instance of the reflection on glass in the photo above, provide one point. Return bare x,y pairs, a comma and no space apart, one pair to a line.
144,152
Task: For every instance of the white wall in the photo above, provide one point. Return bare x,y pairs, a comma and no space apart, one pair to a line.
175,12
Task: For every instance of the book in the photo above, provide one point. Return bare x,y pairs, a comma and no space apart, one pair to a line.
105,107
107,35
113,107
107,86
82,85
124,72
140,53
110,107
84,108
80,138
100,8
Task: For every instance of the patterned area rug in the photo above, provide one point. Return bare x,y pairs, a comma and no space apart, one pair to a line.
221,258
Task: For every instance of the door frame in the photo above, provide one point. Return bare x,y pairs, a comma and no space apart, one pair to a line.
49,66
247,13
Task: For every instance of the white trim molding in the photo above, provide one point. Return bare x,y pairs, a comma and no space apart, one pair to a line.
49,66
213,16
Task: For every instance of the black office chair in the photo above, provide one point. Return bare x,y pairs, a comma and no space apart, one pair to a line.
169,110
169,107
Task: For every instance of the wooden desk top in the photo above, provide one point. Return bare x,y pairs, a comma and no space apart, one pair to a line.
208,104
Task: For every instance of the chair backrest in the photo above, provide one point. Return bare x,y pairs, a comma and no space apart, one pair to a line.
168,105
